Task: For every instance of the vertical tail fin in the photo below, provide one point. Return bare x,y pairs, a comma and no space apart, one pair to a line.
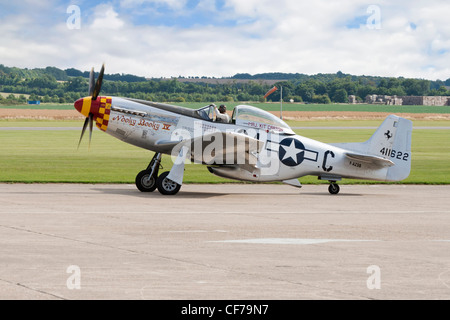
392,140
400,152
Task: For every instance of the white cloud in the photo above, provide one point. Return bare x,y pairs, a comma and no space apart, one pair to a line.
106,18
283,36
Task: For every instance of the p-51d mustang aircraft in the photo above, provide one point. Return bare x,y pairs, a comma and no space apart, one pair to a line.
253,146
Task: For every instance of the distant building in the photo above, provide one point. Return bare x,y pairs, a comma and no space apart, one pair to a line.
408,100
352,99
383,99
426,101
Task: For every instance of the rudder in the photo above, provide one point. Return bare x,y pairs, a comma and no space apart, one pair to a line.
392,140
400,152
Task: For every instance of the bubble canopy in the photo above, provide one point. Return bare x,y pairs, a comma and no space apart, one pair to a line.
252,117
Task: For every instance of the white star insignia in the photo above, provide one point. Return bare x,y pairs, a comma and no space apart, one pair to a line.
291,152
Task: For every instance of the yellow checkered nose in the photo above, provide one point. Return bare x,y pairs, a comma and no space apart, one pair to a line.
99,109
104,112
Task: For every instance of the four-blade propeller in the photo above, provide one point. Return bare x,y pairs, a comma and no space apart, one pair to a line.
94,91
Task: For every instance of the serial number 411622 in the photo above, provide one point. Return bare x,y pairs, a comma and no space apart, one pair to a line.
395,154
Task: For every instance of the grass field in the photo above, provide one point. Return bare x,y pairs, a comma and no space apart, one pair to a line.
52,156
276,107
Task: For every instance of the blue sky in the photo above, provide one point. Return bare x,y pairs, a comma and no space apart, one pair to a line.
181,14
163,38
190,15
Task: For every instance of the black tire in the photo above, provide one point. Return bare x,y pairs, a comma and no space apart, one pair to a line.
334,188
166,186
142,182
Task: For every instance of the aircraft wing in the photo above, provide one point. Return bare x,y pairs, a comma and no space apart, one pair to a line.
219,148
373,160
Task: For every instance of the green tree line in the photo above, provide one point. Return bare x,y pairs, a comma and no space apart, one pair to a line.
64,86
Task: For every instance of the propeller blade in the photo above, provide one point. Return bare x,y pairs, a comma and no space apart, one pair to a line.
83,130
98,84
91,122
91,82
94,91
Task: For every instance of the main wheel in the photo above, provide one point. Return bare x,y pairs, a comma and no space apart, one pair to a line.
334,188
143,183
167,186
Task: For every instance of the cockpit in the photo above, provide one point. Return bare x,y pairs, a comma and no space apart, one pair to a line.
248,116
252,117
208,113
212,113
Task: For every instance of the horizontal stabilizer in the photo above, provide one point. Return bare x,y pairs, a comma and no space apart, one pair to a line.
373,160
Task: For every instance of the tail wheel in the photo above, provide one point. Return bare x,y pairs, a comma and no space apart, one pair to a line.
334,188
144,182
167,186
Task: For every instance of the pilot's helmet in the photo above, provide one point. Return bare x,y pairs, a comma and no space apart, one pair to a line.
222,108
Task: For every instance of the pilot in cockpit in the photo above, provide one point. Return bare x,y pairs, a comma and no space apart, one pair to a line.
222,116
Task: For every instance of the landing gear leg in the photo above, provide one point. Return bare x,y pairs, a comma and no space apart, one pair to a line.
169,183
146,179
333,188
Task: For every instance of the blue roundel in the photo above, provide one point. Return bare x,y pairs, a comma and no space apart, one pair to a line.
291,152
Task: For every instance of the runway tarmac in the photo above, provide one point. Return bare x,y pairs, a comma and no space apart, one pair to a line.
231,241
